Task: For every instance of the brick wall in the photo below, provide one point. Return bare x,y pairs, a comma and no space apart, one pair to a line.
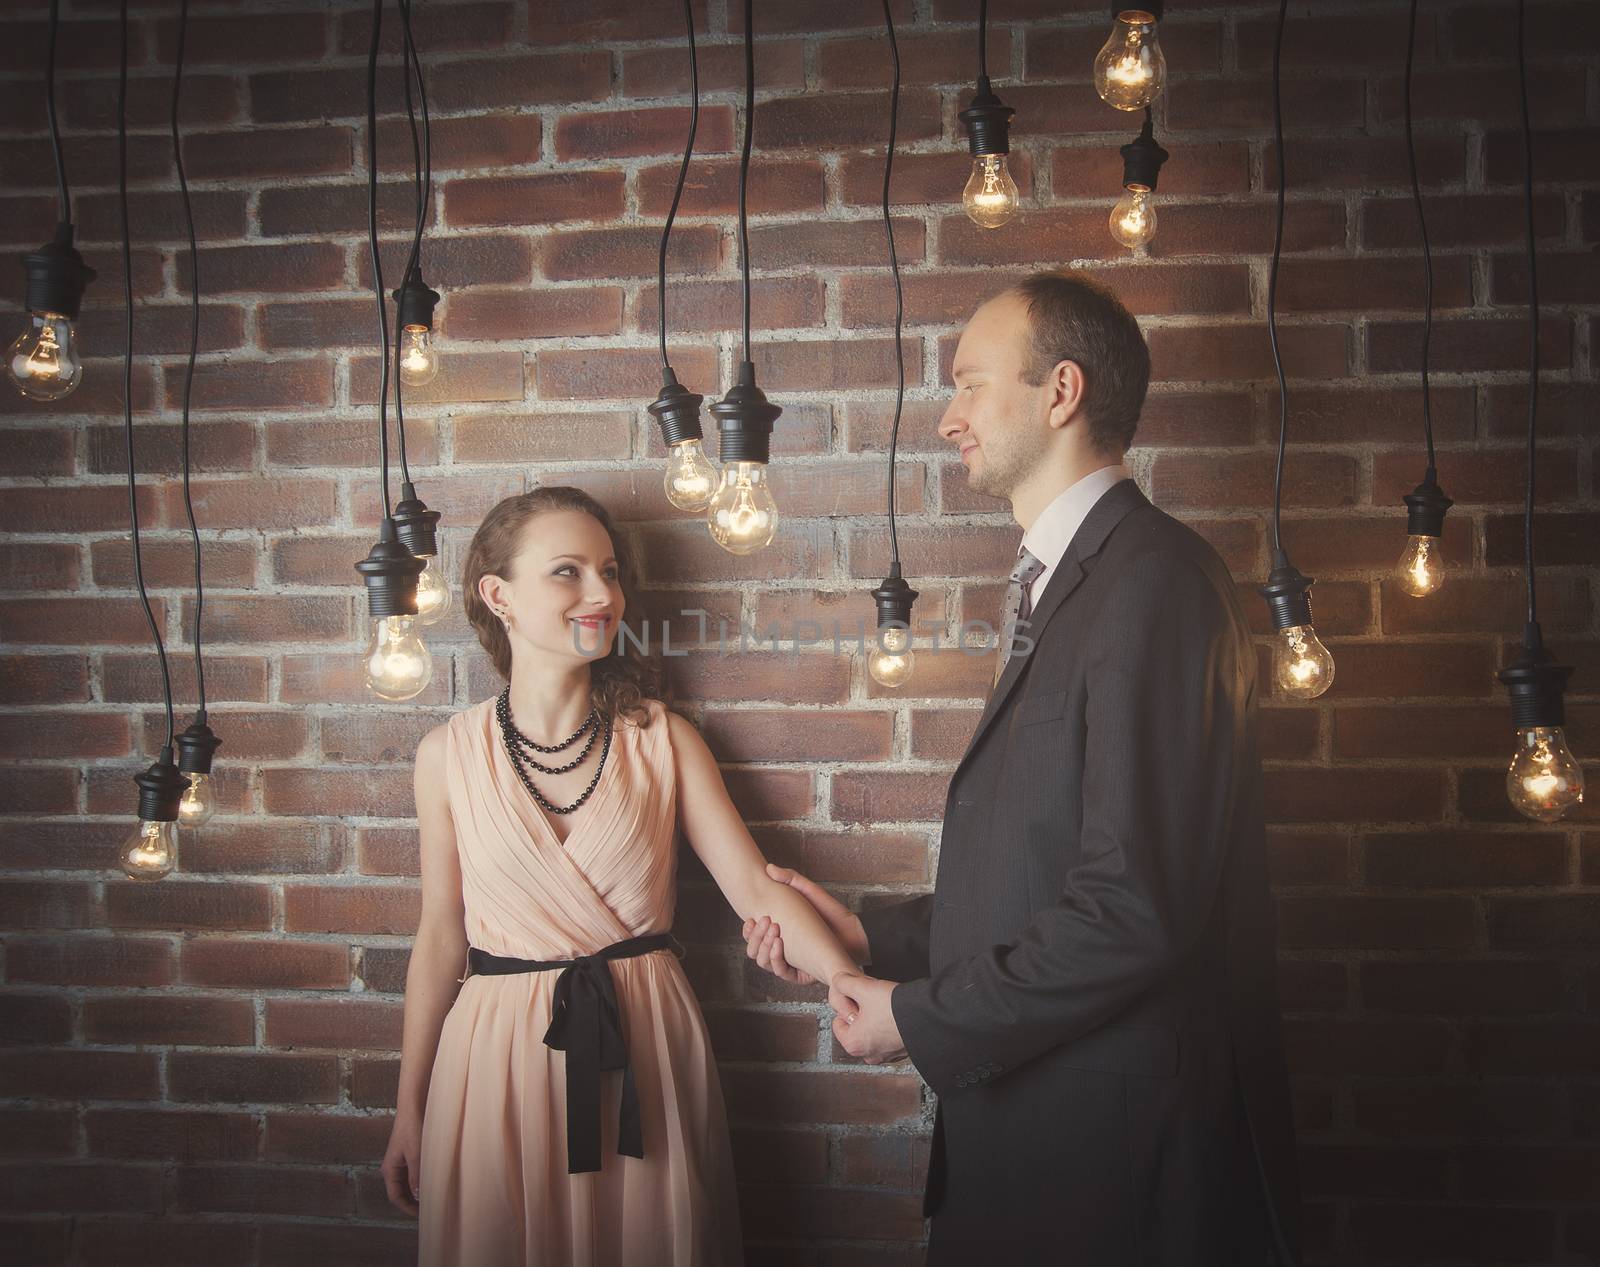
200,1071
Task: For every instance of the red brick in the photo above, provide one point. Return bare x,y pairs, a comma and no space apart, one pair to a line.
274,964
1069,52
84,508
1469,604
44,679
1462,220
1462,989
1349,795
934,57
38,1132
618,373
520,81
1559,538
279,618
842,243
214,445
524,314
457,27
137,679
1371,285
277,153
1210,353
776,303
39,451
342,1025
846,1097
1484,475
78,621
576,254
263,1189
1389,1048
327,1138
253,1077
323,209
78,1187
659,72
587,135
183,905
301,383
337,678
466,142
828,365
1246,228
351,908
92,104
210,1022
1469,346
168,1240
65,734
712,187
551,197
1243,103
1401,923
39,566
1322,479
46,1074
463,376
542,437
326,323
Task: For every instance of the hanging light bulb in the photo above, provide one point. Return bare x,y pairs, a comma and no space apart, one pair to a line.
1544,779
417,529
990,196
891,660
196,747
433,593
419,358
1421,570
419,361
690,478
742,514
151,852
1301,666
398,665
1130,70
43,361
1133,219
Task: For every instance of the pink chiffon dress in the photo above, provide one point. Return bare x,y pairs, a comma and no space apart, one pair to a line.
495,1188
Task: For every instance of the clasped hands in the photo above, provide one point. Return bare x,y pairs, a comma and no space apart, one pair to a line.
864,1021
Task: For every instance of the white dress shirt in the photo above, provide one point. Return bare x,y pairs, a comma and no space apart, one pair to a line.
1052,532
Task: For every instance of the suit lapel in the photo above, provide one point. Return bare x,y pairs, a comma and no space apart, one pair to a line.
1106,514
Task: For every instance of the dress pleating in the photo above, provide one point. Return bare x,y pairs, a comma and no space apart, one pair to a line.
495,1191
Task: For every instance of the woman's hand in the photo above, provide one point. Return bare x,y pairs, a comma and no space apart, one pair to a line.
402,1163
764,938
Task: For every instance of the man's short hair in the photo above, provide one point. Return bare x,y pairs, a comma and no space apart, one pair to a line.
1072,319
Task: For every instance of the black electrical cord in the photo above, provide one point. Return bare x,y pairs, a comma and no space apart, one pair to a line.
983,40
894,267
1533,311
744,161
194,346
683,172
1427,253
377,264
422,157
65,214
1272,283
127,366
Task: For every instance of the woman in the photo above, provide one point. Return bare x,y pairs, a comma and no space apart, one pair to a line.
553,1111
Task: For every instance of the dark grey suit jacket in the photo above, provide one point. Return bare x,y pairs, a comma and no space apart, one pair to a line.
1090,989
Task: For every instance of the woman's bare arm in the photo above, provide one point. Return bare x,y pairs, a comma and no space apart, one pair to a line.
438,958
718,835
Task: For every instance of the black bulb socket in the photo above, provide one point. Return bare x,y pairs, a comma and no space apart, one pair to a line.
1288,594
744,420
390,572
988,122
677,410
1536,683
1142,158
415,525
161,787
197,746
894,599
1154,9
415,301
1425,508
56,276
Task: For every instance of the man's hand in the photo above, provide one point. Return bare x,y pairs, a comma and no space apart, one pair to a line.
865,1025
763,937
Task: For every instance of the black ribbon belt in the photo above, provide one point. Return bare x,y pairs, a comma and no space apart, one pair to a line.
586,1023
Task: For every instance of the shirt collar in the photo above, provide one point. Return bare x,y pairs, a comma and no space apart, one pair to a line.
1058,523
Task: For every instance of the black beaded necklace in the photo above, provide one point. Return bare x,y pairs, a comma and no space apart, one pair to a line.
519,748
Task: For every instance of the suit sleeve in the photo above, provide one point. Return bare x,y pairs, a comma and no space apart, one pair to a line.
1168,673
897,939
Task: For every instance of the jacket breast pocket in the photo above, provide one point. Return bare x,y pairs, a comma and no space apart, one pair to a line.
1046,706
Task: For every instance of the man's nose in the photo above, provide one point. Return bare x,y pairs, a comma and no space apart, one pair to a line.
952,424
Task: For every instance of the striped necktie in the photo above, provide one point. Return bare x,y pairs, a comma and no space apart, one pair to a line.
1018,605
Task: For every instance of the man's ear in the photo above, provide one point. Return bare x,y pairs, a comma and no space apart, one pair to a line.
1066,385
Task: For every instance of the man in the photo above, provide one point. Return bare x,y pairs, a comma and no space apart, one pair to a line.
1090,988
